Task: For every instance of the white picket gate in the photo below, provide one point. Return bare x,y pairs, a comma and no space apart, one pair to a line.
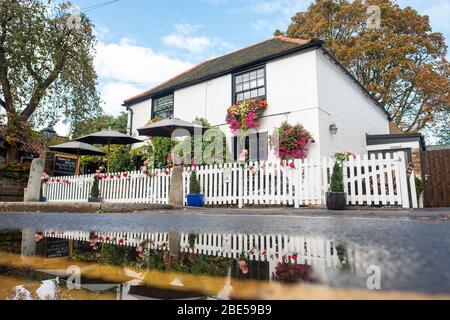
123,187
374,180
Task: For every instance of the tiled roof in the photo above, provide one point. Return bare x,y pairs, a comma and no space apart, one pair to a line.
257,53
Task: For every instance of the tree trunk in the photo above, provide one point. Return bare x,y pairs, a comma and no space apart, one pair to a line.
13,154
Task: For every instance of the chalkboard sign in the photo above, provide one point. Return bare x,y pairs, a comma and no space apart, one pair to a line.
57,248
65,166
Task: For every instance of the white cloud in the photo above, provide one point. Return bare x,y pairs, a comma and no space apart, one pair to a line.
183,38
126,69
128,62
113,94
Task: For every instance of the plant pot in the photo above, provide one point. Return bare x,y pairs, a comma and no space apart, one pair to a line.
95,200
195,200
42,199
336,200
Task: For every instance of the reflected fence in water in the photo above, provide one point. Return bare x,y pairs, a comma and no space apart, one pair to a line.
275,249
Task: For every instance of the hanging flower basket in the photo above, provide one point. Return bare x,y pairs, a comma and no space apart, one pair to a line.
245,115
290,141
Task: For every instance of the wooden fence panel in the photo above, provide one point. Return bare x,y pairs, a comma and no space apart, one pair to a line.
437,178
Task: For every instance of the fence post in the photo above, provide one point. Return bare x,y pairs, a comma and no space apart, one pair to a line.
241,186
403,180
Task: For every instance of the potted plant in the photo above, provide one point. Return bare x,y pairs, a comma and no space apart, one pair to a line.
95,192
337,198
194,198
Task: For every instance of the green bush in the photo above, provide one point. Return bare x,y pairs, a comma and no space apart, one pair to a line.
95,192
419,185
337,179
194,184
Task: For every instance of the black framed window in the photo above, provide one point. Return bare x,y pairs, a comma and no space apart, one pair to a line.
163,107
256,144
250,84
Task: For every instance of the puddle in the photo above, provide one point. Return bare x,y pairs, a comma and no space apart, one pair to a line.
74,264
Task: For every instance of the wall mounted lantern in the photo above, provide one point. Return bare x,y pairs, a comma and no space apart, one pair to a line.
333,129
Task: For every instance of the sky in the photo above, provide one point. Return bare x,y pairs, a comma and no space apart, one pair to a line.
145,42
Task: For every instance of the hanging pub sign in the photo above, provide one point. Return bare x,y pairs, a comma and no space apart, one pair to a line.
65,166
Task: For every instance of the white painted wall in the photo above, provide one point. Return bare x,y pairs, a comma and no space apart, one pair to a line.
345,104
209,100
141,115
292,83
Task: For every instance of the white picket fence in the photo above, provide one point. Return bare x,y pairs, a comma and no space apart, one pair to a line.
374,180
123,187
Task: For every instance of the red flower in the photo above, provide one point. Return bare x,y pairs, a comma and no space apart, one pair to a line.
292,165
100,238
111,176
125,175
107,238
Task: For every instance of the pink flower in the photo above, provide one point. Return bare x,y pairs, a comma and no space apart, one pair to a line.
243,155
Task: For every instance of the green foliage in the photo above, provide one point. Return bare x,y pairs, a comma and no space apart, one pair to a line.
116,255
337,178
48,66
419,185
121,159
194,185
189,146
95,192
191,240
145,152
162,147
101,123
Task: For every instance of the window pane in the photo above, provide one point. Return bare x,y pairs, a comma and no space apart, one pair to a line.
238,79
261,82
163,107
252,75
261,92
246,86
254,93
260,73
239,88
240,97
245,77
253,84
246,95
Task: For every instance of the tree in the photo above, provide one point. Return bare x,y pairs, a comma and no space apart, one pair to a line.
100,123
402,64
46,67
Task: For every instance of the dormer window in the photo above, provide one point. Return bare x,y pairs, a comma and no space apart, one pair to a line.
163,107
250,84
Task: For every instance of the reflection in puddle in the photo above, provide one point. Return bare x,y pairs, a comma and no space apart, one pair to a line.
52,264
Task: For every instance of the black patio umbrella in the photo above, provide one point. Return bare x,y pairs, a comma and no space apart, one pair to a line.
78,148
108,137
172,127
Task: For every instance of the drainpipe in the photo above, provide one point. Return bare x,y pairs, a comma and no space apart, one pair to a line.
131,113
